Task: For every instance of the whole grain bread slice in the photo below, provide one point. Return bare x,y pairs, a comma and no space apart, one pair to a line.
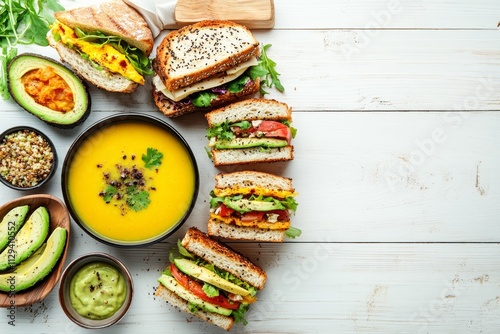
200,50
253,179
221,229
223,257
242,156
114,18
249,110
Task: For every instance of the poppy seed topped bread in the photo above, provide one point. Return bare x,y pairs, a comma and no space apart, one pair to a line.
201,50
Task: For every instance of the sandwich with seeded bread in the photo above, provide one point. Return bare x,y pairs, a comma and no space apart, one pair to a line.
210,280
250,131
107,44
251,205
207,65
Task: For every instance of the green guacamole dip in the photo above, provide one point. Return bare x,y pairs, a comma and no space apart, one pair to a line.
97,290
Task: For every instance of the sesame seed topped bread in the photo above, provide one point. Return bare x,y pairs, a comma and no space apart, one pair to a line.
250,109
113,18
223,257
253,179
201,50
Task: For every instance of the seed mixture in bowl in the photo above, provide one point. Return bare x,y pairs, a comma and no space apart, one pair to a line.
26,158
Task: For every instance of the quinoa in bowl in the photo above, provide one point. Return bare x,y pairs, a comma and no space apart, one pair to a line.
27,158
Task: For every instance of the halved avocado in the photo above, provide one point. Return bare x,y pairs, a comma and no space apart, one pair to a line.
38,265
27,62
28,239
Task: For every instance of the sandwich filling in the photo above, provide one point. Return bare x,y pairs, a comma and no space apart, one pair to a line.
255,133
110,52
206,287
253,207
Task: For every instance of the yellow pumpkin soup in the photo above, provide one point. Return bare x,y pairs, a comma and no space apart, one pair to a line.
131,182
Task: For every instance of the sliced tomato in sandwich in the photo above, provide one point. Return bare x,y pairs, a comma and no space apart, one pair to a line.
197,289
224,211
273,129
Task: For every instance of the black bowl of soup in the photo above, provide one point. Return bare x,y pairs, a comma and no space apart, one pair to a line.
130,180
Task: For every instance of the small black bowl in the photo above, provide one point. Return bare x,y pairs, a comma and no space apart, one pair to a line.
53,167
93,136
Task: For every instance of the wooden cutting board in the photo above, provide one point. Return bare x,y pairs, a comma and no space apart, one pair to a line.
255,14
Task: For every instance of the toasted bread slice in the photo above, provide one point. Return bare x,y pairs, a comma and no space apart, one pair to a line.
221,229
214,318
175,109
114,18
103,78
223,257
201,50
251,155
249,110
253,179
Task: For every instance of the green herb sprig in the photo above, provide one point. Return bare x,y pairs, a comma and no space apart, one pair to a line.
22,22
266,69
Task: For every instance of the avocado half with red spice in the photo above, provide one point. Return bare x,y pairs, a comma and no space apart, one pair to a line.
47,89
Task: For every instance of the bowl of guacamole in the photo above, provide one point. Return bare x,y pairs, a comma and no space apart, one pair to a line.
96,290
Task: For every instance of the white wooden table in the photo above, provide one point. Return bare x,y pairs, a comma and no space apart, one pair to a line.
397,105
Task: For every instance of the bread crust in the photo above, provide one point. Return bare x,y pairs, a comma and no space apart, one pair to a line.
220,229
207,58
243,156
213,318
253,179
173,109
111,18
223,257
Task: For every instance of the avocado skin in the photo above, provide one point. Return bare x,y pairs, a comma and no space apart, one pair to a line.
38,266
11,223
20,96
28,239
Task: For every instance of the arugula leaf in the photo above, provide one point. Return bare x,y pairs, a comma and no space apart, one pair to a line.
22,22
152,158
293,232
137,199
239,314
221,131
238,84
266,70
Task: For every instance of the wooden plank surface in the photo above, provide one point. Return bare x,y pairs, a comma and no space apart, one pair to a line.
397,104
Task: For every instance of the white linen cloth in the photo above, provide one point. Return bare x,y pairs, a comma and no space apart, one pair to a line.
158,14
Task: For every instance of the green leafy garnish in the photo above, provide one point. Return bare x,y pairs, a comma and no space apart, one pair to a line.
210,290
203,99
237,84
22,22
152,158
293,232
266,70
109,193
137,199
239,314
